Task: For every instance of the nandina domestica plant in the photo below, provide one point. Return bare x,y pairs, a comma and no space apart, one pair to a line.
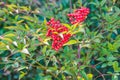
59,40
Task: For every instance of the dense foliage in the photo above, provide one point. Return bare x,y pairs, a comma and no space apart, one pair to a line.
56,40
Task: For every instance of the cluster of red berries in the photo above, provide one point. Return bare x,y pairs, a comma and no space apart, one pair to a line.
58,33
78,15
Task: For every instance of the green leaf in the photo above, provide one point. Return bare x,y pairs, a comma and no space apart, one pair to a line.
48,77
110,58
71,42
52,69
29,18
8,39
19,22
2,46
12,6
74,26
27,27
111,47
9,35
115,77
80,29
67,25
45,21
44,49
102,2
104,65
22,67
22,74
15,28
94,3
116,45
116,66
82,67
110,63
83,74
101,59
68,72
97,40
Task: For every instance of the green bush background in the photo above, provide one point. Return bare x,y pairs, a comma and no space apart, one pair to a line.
97,51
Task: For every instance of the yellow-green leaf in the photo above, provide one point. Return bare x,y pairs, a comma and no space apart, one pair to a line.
22,74
9,35
27,27
71,42
2,46
80,29
20,21
74,26
38,30
1,19
67,25
10,27
27,18
7,39
24,8
11,6
45,21
15,28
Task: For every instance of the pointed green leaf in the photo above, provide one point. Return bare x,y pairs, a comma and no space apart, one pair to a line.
71,42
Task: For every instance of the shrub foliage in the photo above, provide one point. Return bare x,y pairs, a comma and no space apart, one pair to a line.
88,50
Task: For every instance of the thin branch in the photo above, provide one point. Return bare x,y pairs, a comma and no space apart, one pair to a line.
70,5
100,73
78,54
